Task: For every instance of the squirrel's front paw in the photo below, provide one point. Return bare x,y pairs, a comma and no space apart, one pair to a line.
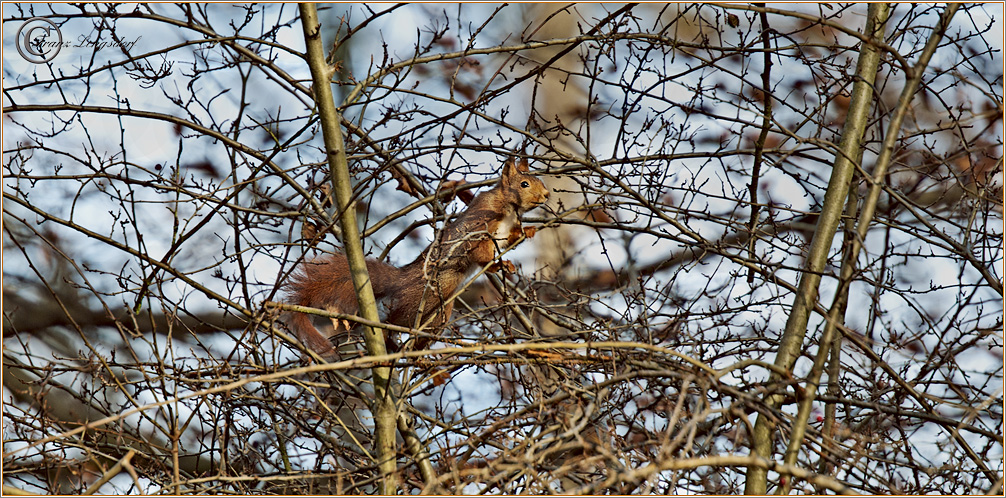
530,231
502,265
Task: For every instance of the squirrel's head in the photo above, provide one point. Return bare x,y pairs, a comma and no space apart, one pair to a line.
528,191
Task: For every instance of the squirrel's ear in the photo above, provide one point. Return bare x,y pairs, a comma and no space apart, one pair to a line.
511,167
508,168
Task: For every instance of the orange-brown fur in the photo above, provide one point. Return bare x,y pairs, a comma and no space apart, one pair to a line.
418,292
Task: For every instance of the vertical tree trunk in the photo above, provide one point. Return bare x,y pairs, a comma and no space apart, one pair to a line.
831,212
855,238
383,406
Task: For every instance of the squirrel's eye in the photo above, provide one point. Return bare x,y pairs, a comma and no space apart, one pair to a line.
524,184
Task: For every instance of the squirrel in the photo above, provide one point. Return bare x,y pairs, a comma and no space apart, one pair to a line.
420,291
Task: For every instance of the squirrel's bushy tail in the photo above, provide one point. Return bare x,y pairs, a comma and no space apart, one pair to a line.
303,326
308,287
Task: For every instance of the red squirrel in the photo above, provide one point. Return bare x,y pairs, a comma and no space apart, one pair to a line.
418,292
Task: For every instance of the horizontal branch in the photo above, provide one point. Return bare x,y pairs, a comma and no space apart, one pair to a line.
643,473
